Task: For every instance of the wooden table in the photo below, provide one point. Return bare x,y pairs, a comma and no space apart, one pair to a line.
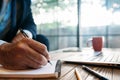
67,70
109,55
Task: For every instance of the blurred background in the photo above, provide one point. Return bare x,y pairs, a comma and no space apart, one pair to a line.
70,23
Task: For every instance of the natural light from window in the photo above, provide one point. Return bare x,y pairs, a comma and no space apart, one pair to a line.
95,14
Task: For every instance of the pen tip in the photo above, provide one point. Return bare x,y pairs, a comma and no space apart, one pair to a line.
49,62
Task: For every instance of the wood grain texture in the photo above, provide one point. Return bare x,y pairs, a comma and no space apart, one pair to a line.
67,70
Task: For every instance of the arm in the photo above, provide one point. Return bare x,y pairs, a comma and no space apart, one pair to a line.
28,22
24,53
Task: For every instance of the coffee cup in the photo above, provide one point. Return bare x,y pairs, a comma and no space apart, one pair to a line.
97,43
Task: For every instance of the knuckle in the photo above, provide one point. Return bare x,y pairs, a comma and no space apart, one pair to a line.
21,46
43,61
25,40
44,48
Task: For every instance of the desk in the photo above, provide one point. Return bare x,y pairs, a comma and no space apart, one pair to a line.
67,70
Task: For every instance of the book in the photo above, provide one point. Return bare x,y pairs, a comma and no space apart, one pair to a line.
95,63
47,71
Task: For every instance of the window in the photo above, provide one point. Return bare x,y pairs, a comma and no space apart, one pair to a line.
58,20
101,18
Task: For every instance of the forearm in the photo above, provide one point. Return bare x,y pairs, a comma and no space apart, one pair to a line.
28,22
30,26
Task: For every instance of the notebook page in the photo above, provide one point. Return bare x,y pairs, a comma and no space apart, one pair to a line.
47,69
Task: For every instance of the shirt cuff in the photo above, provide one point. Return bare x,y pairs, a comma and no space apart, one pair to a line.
2,42
28,33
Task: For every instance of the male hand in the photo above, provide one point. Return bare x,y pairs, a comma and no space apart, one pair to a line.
23,54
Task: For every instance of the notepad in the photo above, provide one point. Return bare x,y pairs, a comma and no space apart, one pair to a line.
47,71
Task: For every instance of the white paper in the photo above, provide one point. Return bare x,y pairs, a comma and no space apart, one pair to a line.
47,69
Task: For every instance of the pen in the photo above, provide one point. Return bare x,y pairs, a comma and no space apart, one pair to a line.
49,62
94,73
25,35
77,74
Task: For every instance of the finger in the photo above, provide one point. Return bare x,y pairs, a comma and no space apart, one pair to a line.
18,37
39,47
15,67
30,63
23,63
15,63
35,56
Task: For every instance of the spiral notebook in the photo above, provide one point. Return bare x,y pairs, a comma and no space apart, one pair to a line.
48,71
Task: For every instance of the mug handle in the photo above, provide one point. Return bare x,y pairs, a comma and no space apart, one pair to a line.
88,42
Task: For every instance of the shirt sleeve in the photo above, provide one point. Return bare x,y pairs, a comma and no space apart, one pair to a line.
28,33
2,42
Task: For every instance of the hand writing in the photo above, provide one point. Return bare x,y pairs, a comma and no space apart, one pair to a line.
23,54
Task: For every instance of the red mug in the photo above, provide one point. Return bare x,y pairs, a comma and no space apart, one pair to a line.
97,43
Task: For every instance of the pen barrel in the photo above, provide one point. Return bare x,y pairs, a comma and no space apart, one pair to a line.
94,73
24,34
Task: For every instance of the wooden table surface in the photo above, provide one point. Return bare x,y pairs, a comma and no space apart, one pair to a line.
68,70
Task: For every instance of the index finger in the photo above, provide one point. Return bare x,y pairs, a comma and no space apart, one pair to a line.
39,47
